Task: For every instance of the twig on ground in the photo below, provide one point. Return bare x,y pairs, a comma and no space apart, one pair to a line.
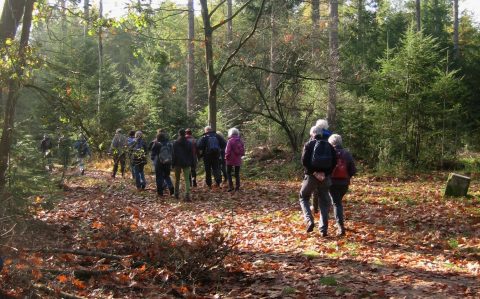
79,252
44,288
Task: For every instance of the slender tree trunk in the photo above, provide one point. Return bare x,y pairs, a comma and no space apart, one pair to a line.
417,15
230,22
86,16
191,58
212,86
13,90
11,15
63,7
273,49
315,14
100,59
334,65
456,50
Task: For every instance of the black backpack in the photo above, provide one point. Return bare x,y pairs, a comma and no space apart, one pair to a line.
165,153
213,147
322,157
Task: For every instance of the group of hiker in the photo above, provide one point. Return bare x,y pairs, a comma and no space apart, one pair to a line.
181,155
328,168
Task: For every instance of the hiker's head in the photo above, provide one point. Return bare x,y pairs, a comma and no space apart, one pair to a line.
138,134
118,131
316,131
335,140
188,132
208,129
233,132
181,133
131,133
322,123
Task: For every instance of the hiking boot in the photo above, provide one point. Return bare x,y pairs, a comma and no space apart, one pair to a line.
176,196
340,232
230,190
187,197
310,226
82,172
194,183
324,234
172,191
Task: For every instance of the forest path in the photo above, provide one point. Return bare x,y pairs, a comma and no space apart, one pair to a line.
403,240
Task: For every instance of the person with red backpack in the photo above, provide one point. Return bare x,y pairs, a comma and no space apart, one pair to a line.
233,157
340,177
318,160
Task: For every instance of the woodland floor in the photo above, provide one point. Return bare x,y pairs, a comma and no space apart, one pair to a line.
404,240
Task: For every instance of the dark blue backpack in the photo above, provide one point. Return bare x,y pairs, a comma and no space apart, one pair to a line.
322,157
213,147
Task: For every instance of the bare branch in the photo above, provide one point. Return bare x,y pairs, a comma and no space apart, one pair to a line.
216,7
234,15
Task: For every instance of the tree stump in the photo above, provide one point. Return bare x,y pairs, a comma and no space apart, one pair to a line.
457,185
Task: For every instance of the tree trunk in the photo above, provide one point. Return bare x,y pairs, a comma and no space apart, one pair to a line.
229,23
100,59
273,49
212,86
191,58
334,65
315,14
456,50
417,14
13,90
86,16
11,15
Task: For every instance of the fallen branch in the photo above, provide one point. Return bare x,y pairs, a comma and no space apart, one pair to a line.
79,273
79,252
44,288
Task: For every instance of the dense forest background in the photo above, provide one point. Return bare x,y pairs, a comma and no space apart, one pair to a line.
397,79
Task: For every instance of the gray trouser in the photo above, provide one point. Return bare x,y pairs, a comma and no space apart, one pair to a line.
309,185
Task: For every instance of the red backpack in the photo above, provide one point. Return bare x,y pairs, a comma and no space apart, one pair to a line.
340,171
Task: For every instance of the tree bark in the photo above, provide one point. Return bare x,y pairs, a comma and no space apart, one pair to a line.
11,15
315,14
273,49
230,22
456,49
212,86
191,58
86,16
100,59
417,14
13,90
334,65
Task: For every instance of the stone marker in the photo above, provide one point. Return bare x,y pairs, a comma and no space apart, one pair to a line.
457,185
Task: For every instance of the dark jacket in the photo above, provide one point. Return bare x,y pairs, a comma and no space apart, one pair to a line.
307,157
202,144
182,153
352,170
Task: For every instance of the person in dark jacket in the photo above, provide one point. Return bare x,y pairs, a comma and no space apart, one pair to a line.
209,147
139,159
162,168
316,177
46,146
83,150
182,162
193,171
322,123
130,143
340,181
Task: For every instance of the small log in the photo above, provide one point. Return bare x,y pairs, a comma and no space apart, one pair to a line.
46,289
79,252
79,273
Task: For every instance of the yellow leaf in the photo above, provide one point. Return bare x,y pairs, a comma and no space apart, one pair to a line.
8,42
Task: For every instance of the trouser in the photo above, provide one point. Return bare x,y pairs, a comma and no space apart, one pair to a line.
223,169
193,175
81,164
212,165
237,177
162,174
139,176
119,160
337,192
309,185
186,176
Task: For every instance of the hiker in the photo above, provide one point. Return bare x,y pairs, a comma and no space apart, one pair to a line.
46,148
193,171
118,150
182,162
323,124
139,160
233,157
130,142
209,147
83,150
340,177
223,166
319,160
162,155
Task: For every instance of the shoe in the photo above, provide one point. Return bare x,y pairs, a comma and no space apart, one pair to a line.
176,196
82,172
310,226
160,193
340,232
324,234
172,191
230,190
187,197
194,183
